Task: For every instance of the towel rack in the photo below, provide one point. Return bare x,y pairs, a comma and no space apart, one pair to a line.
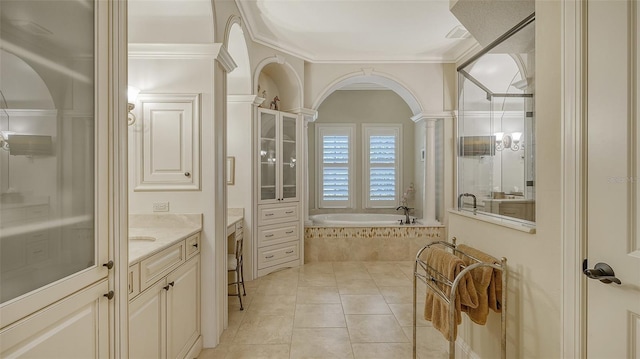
430,276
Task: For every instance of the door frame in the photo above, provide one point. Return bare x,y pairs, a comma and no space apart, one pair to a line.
574,177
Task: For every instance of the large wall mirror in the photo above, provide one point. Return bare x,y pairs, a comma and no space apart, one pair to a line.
496,128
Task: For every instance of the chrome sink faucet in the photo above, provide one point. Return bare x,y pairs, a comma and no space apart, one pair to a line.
406,214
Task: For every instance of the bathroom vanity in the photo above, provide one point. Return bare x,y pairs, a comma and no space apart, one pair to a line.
515,208
164,286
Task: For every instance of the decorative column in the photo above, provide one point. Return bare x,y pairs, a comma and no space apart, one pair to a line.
308,116
429,174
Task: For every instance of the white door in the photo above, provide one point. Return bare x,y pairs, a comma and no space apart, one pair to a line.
613,184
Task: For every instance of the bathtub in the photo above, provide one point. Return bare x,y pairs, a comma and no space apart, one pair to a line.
365,237
357,220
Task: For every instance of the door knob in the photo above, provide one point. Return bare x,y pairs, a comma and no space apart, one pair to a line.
601,271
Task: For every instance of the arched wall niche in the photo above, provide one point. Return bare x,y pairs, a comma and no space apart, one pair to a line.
22,86
383,80
238,80
275,77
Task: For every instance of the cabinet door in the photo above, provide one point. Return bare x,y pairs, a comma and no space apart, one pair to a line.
183,308
147,323
55,167
74,327
268,156
167,146
289,157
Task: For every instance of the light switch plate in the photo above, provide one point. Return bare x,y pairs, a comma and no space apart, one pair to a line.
161,206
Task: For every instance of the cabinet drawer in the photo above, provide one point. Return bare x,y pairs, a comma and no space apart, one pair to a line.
279,233
158,265
278,214
281,253
133,280
193,245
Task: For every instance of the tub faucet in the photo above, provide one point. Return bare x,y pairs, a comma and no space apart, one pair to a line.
406,213
467,195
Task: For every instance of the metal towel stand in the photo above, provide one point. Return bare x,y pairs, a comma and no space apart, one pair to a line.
430,276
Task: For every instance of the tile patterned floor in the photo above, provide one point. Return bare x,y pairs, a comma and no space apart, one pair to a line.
329,310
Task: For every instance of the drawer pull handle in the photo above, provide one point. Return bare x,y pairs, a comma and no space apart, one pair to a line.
268,215
109,264
267,257
195,245
289,212
109,295
289,252
289,232
172,283
166,287
268,235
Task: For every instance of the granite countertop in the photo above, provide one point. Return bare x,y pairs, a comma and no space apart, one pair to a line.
167,229
234,215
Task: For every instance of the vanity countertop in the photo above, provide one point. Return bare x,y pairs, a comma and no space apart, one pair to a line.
234,215
167,229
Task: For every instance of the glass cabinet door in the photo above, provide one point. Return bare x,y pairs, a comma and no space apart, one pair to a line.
289,156
268,155
48,162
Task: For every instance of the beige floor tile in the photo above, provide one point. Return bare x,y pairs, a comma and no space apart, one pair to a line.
319,316
219,352
317,267
265,329
272,305
404,315
320,343
391,279
397,294
381,267
375,329
316,279
277,288
364,304
349,267
382,350
357,286
258,351
430,342
317,295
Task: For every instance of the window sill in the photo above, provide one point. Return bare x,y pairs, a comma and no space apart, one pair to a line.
518,226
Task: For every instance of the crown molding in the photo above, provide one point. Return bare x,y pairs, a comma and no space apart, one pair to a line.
224,58
250,99
432,116
172,51
183,51
308,114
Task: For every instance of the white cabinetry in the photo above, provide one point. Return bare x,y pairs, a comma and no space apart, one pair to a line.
75,327
167,143
164,318
279,223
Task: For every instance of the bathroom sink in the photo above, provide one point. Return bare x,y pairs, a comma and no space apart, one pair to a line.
142,238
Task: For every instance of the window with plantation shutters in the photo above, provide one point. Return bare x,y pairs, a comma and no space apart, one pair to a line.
335,165
381,165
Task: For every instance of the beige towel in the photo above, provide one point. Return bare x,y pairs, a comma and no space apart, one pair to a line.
488,284
436,310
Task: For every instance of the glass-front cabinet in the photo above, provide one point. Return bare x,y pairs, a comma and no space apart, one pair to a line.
54,172
496,129
278,168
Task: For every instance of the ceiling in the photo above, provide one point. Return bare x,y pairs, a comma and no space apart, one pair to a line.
357,30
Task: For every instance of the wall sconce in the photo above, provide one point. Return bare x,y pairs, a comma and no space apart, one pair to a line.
4,139
132,95
506,140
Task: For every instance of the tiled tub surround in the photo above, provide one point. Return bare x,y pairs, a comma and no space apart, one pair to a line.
394,243
167,229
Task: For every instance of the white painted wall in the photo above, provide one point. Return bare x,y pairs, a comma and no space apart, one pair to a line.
534,296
